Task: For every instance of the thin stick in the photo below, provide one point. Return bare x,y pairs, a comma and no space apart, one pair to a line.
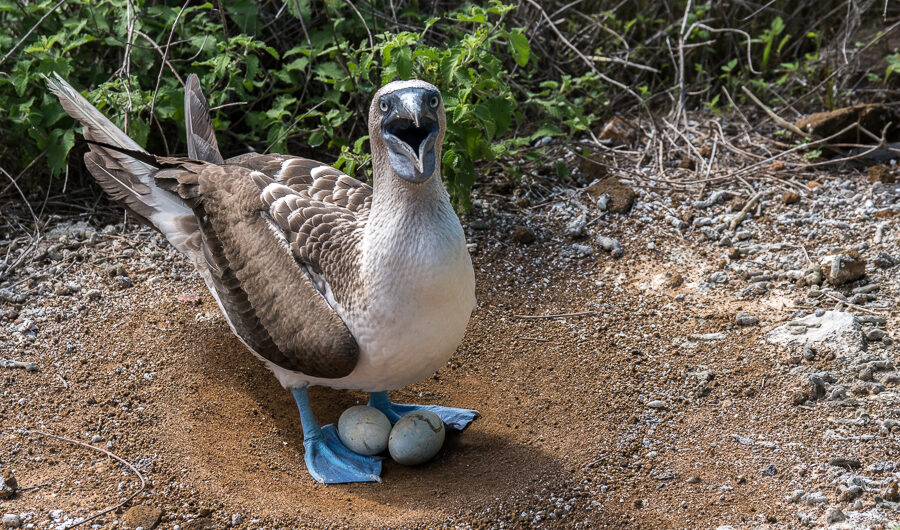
778,119
559,315
739,218
353,7
854,306
581,55
107,453
30,31
166,55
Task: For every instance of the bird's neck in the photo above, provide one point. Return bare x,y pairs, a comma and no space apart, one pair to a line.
410,224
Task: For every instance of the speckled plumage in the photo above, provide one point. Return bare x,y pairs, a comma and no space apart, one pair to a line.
327,280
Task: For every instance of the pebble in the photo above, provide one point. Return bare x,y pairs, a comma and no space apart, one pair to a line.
835,515
770,470
657,404
575,229
11,520
143,516
236,519
8,485
845,267
523,235
745,320
814,498
844,461
610,245
875,335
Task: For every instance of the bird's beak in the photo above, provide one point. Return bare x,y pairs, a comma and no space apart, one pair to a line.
410,129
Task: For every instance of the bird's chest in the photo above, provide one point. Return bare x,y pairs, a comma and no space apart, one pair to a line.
418,302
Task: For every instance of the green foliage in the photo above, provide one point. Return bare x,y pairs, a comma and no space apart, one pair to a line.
304,92
297,76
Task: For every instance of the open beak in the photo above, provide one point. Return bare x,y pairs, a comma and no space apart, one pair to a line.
410,129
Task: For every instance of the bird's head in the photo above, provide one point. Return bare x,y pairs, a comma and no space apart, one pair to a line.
406,129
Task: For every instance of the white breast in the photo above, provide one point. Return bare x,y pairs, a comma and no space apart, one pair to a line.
420,292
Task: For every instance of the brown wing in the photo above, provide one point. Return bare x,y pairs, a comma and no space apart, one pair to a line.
267,295
201,137
312,179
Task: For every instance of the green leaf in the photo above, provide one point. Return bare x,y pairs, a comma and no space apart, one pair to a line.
519,46
501,113
403,59
316,139
61,141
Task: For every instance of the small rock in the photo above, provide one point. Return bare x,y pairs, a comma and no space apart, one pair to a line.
575,229
618,132
189,298
610,245
11,520
885,261
686,163
844,461
8,485
694,480
122,282
577,251
850,494
835,515
672,280
875,335
834,331
621,195
845,267
93,294
795,496
813,498
745,320
523,235
790,197
143,516
770,470
236,519
657,404
881,174
891,492
201,523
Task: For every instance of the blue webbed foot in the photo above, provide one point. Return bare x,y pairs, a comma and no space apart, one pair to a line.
327,458
453,418
330,462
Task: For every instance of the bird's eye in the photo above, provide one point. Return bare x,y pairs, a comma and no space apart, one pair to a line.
383,106
434,102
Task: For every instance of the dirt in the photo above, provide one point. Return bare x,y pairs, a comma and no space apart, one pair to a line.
616,416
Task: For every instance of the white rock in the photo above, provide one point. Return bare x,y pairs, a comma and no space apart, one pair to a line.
11,520
834,330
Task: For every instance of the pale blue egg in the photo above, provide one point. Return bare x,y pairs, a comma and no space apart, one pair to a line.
416,437
364,430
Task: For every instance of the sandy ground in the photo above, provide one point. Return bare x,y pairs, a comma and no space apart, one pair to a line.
628,414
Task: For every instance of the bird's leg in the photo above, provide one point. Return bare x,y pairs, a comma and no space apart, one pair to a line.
327,458
453,418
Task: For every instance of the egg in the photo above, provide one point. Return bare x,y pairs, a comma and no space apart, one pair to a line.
416,437
364,430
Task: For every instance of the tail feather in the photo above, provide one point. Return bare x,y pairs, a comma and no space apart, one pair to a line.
201,137
126,172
